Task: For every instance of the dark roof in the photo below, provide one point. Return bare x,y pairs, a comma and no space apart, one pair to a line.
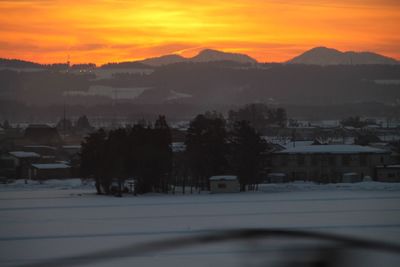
332,149
42,134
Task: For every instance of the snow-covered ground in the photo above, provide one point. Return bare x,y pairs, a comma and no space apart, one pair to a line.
65,218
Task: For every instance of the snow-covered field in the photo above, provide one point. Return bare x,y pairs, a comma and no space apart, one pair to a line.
65,218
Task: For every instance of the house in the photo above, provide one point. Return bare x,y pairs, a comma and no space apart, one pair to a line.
7,166
329,163
388,173
22,162
224,184
47,153
50,171
42,134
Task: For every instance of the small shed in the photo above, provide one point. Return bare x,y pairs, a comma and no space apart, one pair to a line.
50,171
224,184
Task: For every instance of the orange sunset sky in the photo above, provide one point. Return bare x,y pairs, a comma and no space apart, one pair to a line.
103,31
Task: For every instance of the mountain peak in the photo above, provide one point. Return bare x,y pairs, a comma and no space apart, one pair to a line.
207,55
330,56
163,60
323,49
210,51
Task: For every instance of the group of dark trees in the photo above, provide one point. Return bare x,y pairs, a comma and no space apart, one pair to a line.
140,152
5,125
144,154
81,124
259,116
355,122
215,147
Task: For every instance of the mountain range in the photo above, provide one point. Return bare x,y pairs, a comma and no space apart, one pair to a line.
206,55
315,56
329,56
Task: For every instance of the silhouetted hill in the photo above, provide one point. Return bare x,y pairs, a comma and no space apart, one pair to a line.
186,88
210,83
330,56
209,55
18,64
164,60
125,65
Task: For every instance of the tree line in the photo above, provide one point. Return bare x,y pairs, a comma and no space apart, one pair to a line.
144,153
141,152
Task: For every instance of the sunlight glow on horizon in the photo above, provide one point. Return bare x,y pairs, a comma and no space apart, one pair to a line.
47,31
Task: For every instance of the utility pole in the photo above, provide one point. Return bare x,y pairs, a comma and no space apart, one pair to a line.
64,121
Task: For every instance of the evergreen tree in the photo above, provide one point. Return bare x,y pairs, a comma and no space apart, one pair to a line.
6,125
259,116
83,123
150,156
163,156
247,150
206,148
116,155
280,117
256,114
93,161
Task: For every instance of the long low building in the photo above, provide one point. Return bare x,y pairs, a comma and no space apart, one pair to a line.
50,171
328,163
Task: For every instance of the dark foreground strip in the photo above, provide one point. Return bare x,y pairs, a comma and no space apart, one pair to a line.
214,237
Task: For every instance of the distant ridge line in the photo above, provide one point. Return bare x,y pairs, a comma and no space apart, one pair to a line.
315,56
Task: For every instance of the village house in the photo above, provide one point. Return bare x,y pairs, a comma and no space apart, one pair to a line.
22,162
47,153
45,171
41,134
328,163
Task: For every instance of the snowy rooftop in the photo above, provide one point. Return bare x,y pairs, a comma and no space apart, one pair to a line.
40,146
72,146
332,149
298,143
389,166
51,166
24,154
223,178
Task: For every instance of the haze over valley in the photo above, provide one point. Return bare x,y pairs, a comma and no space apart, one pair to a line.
321,78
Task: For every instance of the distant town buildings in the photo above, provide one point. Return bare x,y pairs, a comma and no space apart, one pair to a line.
37,152
327,154
328,163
